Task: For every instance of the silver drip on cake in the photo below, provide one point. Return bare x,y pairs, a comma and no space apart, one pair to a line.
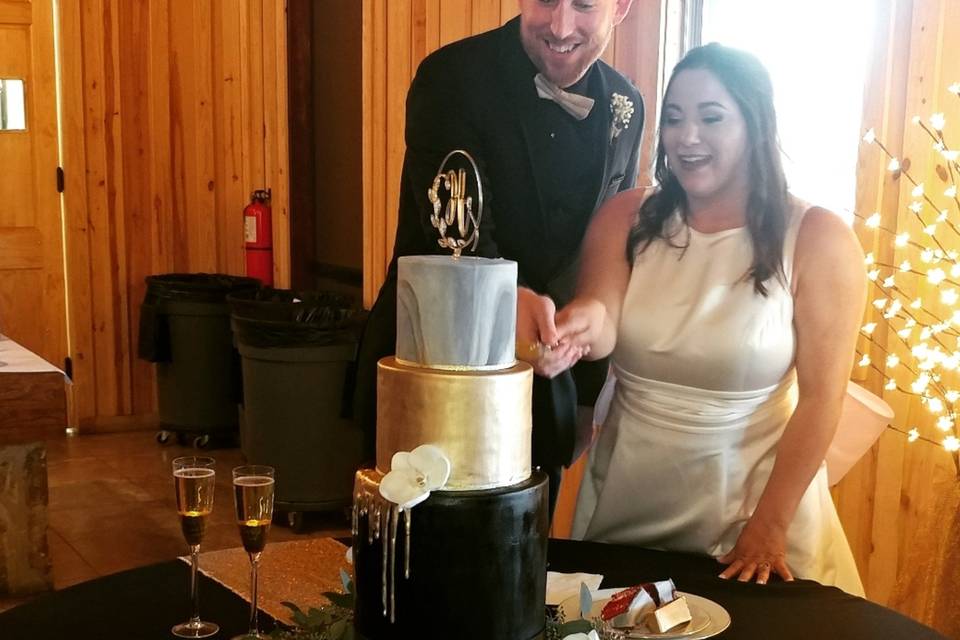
383,524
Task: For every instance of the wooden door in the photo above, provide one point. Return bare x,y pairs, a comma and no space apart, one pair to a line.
32,298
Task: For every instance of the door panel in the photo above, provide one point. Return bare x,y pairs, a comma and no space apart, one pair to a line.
32,302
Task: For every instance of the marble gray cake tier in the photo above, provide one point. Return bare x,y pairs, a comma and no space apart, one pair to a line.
456,312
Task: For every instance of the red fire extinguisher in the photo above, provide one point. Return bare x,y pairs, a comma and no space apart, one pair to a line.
258,236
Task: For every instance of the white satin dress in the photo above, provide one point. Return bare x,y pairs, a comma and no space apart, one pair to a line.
705,384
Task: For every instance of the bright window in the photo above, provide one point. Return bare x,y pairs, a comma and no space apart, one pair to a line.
816,52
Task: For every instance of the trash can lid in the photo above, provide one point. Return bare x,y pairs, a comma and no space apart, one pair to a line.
198,287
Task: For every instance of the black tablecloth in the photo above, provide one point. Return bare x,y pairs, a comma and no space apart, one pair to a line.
142,604
799,610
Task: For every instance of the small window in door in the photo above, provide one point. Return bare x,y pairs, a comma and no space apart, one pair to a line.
13,115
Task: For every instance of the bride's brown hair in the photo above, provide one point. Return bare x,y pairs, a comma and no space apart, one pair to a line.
747,81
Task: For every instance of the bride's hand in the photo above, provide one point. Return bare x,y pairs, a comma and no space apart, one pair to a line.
580,322
761,551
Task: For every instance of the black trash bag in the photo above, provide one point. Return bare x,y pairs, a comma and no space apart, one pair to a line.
153,344
285,318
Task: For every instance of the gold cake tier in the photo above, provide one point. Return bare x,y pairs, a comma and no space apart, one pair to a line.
481,420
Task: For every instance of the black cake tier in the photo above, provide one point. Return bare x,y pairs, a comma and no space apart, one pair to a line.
478,568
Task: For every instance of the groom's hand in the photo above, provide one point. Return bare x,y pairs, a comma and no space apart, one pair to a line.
537,339
535,318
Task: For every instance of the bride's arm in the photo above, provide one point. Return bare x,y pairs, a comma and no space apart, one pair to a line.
590,320
829,297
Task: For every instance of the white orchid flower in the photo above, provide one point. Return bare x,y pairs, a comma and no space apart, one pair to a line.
414,475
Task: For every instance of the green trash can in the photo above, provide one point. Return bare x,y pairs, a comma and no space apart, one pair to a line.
185,330
296,350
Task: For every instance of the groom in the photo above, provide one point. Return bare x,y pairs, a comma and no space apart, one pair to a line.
556,132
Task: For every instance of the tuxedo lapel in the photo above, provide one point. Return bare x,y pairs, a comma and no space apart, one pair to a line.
610,146
522,100
616,151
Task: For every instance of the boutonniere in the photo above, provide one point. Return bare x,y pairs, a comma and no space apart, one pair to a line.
622,109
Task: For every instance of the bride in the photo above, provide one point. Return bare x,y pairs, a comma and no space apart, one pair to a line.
731,309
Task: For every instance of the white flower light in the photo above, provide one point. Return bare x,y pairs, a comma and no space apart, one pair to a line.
905,265
870,136
888,282
891,385
864,361
951,444
920,384
892,361
917,191
952,396
902,239
873,274
949,297
930,229
916,206
926,256
935,405
944,423
936,276
951,192
894,165
937,121
873,221
913,435
954,88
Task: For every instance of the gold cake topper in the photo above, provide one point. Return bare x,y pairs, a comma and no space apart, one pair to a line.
459,210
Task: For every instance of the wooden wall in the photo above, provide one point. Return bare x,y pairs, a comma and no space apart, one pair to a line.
397,35
900,506
173,112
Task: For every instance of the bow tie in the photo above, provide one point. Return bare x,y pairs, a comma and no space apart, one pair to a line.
576,105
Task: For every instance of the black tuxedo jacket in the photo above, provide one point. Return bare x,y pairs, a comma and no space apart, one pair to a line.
478,95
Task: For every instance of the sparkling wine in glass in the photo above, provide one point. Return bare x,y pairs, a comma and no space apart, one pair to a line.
253,496
194,478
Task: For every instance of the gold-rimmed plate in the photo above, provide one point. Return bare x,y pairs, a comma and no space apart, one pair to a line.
709,618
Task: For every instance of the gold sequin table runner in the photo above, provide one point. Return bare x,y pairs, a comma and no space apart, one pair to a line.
298,571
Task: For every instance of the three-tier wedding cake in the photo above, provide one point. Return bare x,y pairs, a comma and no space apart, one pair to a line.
469,561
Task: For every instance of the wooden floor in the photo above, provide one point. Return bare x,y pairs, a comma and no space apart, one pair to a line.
112,506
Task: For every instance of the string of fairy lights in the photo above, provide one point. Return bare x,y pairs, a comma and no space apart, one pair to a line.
920,349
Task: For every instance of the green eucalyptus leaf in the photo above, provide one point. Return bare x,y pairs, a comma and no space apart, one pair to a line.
574,626
337,629
344,600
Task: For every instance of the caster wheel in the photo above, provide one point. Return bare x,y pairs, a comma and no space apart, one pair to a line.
295,521
201,442
163,437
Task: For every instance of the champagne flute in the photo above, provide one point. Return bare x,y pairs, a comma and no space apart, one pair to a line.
194,477
253,496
